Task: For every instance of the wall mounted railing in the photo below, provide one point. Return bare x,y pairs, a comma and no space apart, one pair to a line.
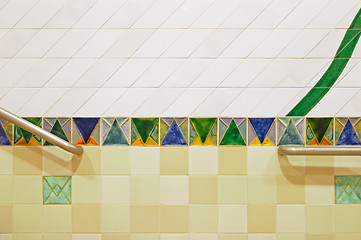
316,151
18,121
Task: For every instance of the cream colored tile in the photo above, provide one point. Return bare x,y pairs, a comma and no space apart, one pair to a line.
115,218
6,219
203,160
57,219
320,165
290,189
348,218
320,189
232,189
261,236
115,160
232,218
6,160
320,219
27,160
174,189
203,189
203,236
27,218
149,236
232,160
291,236
86,218
290,218
232,236
174,160
174,236
203,219
262,160
144,160
86,189
174,218
6,236
115,236
321,237
262,189
27,189
115,189
261,219
347,165
144,189
86,237
58,236
6,189
27,236
144,218
56,161
347,236
88,163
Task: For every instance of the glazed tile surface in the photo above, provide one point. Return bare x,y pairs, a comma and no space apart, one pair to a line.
115,131
261,132
232,131
25,138
290,131
348,189
86,131
347,131
6,132
56,190
174,131
145,131
319,132
60,127
203,132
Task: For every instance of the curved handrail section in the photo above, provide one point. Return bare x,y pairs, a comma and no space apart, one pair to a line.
317,151
18,121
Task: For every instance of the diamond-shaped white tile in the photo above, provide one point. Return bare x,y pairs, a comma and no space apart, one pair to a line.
14,40
15,98
12,12
327,47
13,70
352,107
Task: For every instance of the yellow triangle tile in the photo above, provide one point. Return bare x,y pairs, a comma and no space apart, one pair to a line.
313,142
325,142
267,142
138,142
150,142
197,142
21,142
33,142
209,142
255,142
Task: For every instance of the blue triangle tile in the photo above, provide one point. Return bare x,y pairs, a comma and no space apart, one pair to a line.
86,126
348,136
174,136
261,126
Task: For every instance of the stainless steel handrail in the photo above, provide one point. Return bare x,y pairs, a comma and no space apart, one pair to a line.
18,121
315,151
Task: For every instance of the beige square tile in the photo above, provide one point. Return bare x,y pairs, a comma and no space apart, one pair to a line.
261,218
28,160
116,236
348,218
27,189
86,218
232,160
290,189
174,236
115,189
290,218
232,189
203,189
262,160
174,189
6,219
321,237
148,236
88,163
6,160
57,219
320,219
144,160
56,161
320,165
89,236
291,236
115,218
57,236
347,165
115,160
203,236
144,218
6,189
261,236
232,218
232,236
203,160
174,218
6,236
262,189
174,160
347,236
27,236
203,219
320,189
27,218
86,189
144,189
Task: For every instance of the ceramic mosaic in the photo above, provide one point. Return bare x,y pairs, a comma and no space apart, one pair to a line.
232,131
6,132
173,131
261,132
145,131
86,131
57,190
290,131
115,131
203,132
347,189
319,132
23,137
347,131
60,127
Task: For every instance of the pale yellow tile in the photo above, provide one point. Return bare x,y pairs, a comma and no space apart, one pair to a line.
27,236
27,218
347,236
144,189
232,160
174,236
321,237
86,218
290,218
88,163
174,189
57,236
203,236
174,160
203,218
174,218
144,160
232,189
232,236
232,218
115,218
320,219
86,237
144,218
86,189
28,189
116,236
57,218
6,219
115,189
203,160
262,236
320,189
56,161
6,236
320,165
290,189
149,236
262,160
203,189
291,165
6,160
261,218
115,160
28,160
6,189
347,165
262,189
291,236
348,218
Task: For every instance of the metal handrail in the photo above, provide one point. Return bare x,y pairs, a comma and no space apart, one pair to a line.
315,151
18,121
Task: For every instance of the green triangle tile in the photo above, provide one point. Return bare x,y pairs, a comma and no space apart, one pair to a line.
233,136
319,126
144,127
115,136
291,136
58,131
203,126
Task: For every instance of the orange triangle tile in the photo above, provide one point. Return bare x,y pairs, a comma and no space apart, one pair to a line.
80,142
21,142
209,142
197,142
150,142
92,142
313,142
267,142
138,142
325,142
33,142
255,142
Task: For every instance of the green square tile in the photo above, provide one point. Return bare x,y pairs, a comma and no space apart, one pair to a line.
145,131
203,132
348,189
23,137
232,131
319,131
57,190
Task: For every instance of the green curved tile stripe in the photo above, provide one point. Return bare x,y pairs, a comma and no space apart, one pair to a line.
333,72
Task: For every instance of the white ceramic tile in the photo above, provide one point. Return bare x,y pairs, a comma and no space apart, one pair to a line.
215,14
69,44
70,102
157,73
70,13
99,73
189,100
327,47
14,11
3,91
40,73
351,65
41,43
40,14
216,43
129,42
41,102
70,73
13,70
129,73
158,43
216,72
185,15
15,98
347,20
99,102
3,3
14,40
245,72
246,43
99,43
99,14
185,74
156,14
187,43
352,78
294,101
352,108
